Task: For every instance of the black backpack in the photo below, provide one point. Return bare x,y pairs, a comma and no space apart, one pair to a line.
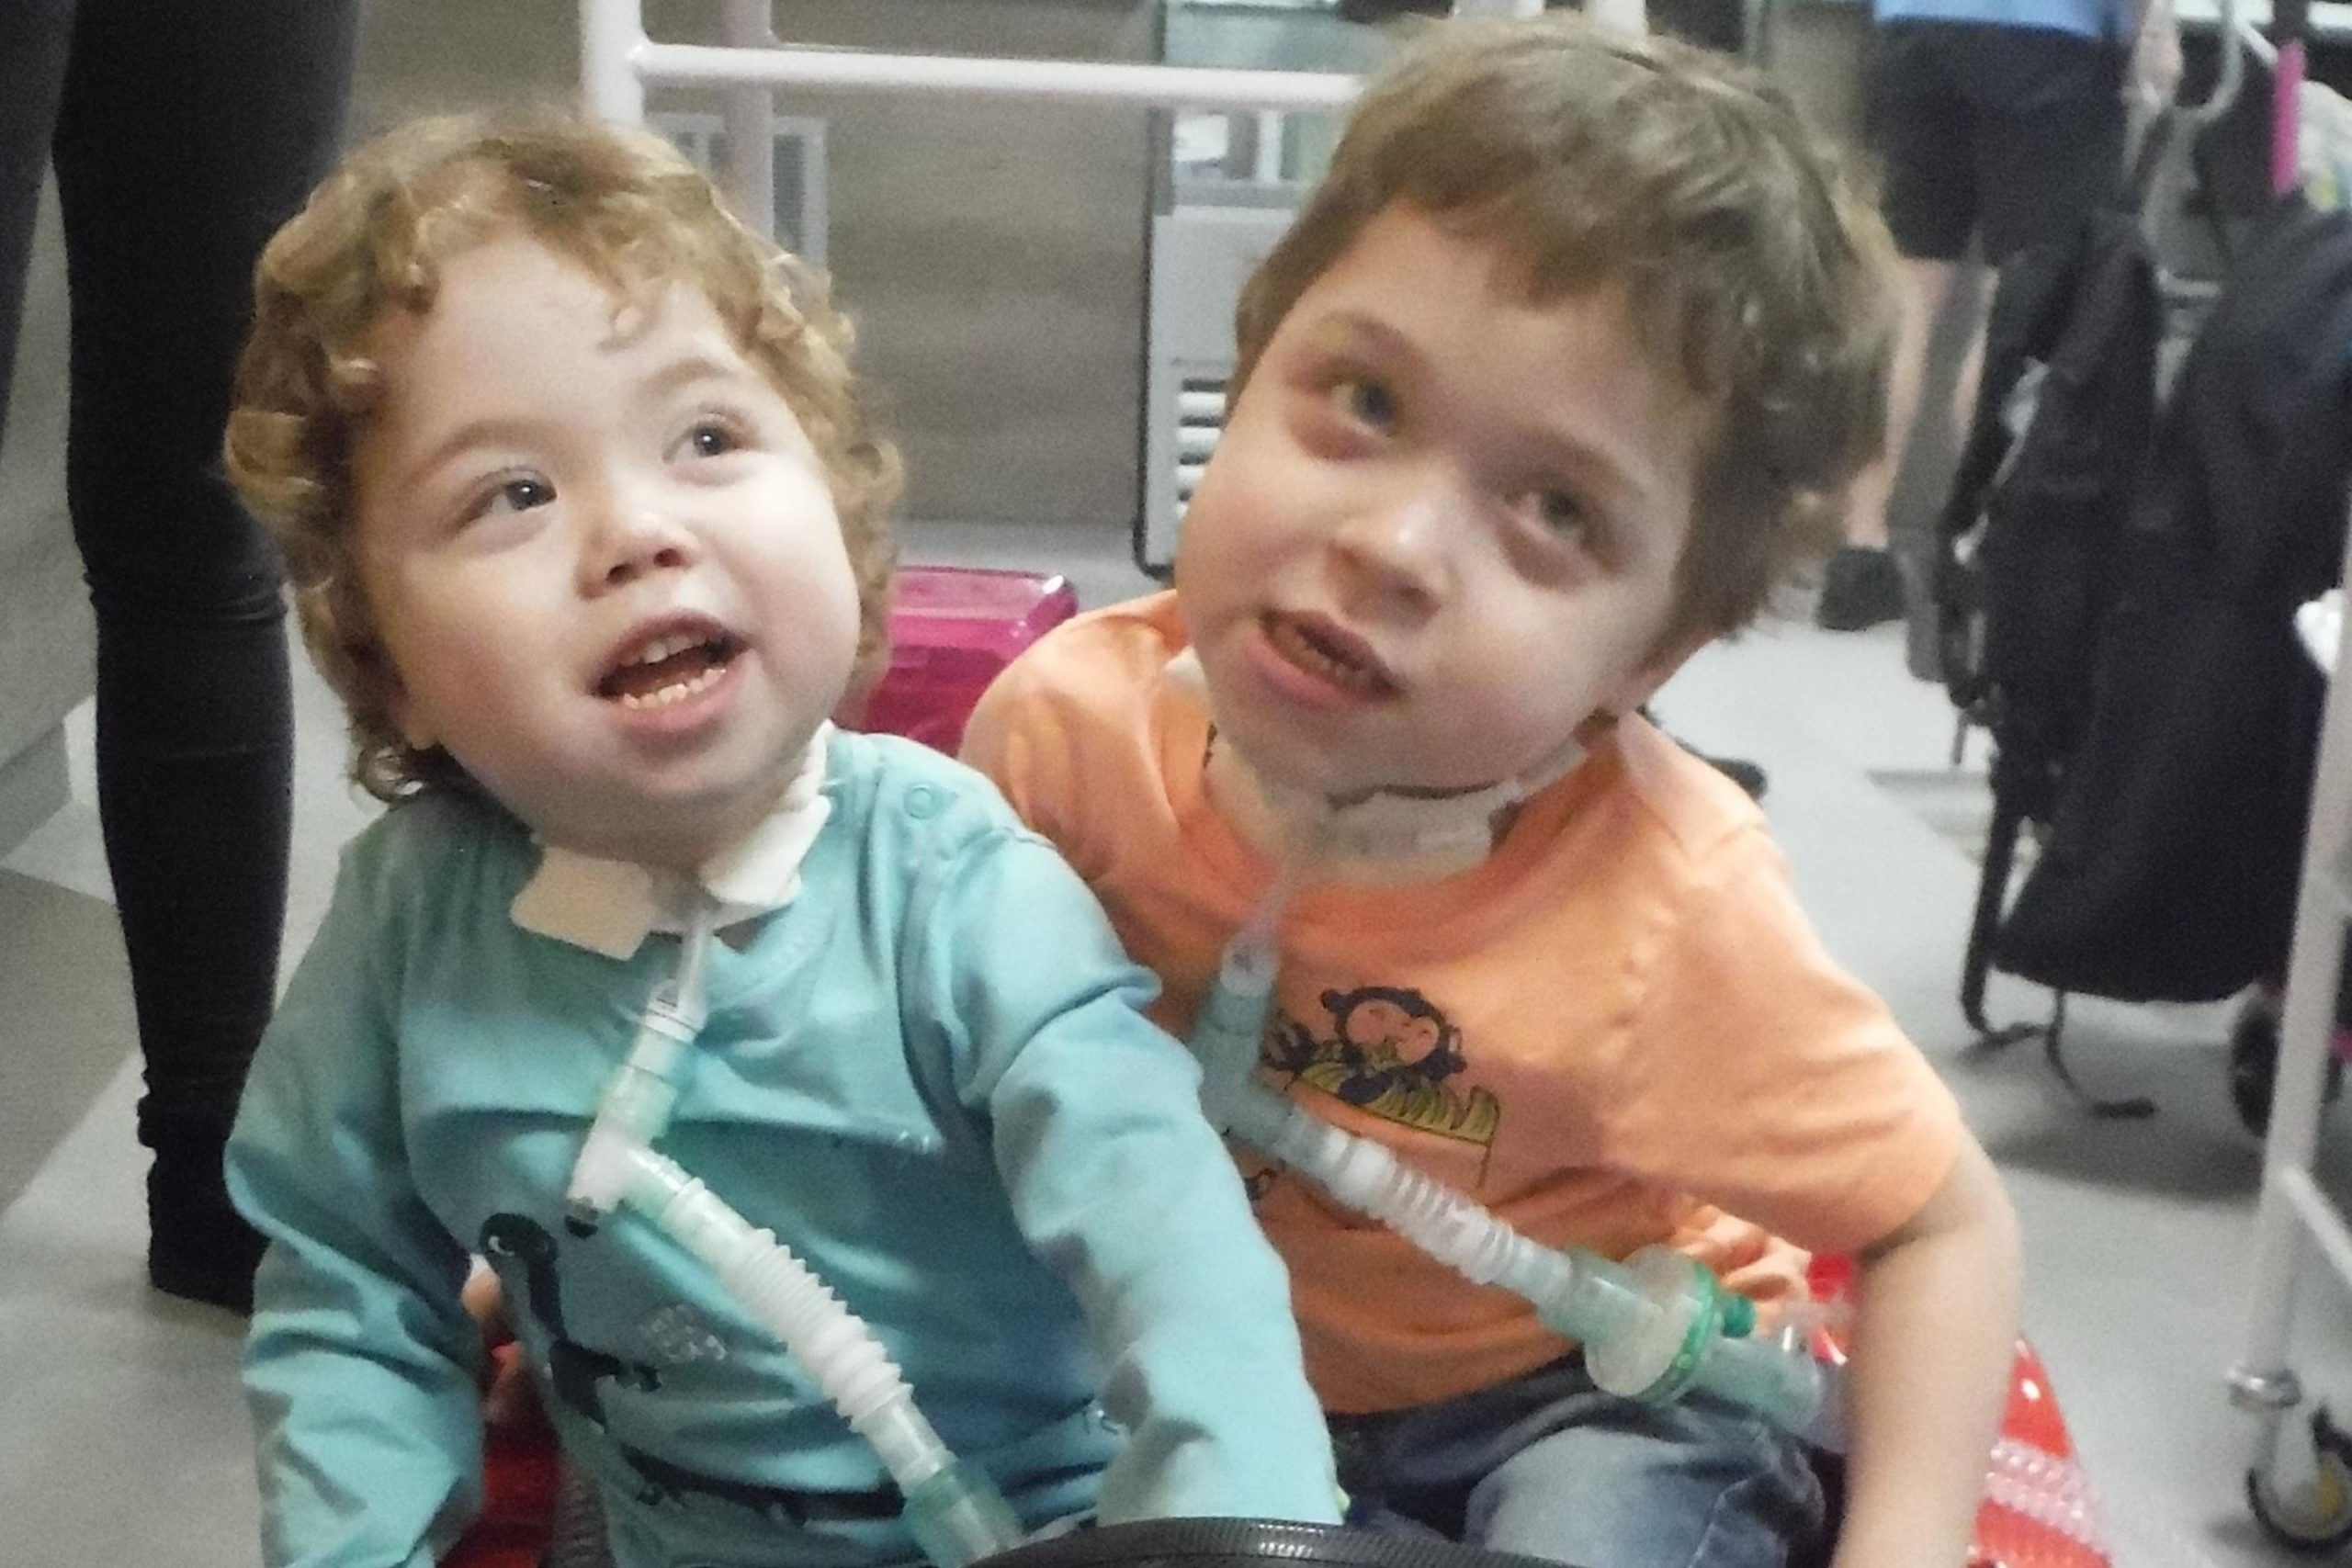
2151,710
2175,847
2027,540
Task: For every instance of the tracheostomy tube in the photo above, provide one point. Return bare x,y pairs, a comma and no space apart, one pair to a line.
952,1508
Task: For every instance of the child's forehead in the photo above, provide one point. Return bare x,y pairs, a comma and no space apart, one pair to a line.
1465,241
1403,256
515,282
1413,283
511,259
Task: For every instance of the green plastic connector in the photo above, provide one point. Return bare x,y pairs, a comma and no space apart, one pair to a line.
958,1516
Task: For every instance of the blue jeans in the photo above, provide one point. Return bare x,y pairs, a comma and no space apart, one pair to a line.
1549,1466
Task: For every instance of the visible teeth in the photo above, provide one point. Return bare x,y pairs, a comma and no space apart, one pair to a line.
1311,655
664,648
676,691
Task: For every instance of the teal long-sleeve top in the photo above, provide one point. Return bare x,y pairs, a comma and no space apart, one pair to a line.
927,1075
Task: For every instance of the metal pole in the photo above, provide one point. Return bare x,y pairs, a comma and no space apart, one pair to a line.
1163,86
2305,1030
612,39
1268,164
751,124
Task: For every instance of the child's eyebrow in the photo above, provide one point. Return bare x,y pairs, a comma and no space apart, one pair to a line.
1352,331
496,432
689,368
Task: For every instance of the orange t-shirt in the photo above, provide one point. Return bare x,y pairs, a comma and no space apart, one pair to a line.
1618,1028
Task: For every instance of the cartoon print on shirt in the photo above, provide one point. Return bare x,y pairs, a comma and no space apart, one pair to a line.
1389,1052
574,1370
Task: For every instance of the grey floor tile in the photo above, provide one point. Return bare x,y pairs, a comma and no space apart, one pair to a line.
65,992
123,1438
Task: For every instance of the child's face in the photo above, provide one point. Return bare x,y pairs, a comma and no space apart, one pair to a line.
1441,529
602,554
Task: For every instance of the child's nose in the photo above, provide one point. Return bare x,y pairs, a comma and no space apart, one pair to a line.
1395,547
632,539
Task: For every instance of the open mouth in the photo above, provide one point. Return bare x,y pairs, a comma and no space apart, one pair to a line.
1329,654
669,668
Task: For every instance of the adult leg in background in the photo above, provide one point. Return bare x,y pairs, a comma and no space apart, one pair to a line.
180,146
1927,292
2029,126
1924,127
2054,118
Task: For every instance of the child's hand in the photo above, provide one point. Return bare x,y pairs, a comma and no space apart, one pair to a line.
510,1403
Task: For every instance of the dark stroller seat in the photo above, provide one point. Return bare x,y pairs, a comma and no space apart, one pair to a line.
1248,1543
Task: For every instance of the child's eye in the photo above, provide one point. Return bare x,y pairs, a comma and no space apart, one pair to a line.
518,494
1567,522
1563,514
1367,402
709,438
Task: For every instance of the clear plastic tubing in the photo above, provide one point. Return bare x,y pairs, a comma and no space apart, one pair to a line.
954,1510
1652,1327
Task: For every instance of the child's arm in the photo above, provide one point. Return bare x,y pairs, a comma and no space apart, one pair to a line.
1000,740
359,1367
1764,1079
1934,1337
1124,1190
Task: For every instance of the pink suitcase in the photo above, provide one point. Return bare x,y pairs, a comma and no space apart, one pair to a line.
952,628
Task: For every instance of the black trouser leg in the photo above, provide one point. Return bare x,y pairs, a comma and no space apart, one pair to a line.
184,139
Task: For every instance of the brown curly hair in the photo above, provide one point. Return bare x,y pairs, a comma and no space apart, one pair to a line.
623,204
1755,266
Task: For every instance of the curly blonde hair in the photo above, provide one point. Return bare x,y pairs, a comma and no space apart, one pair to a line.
625,205
1755,266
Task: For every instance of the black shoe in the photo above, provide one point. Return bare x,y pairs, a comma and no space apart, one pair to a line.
1860,589
1739,770
198,1248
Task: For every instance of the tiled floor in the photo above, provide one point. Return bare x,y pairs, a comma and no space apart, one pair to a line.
122,1440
